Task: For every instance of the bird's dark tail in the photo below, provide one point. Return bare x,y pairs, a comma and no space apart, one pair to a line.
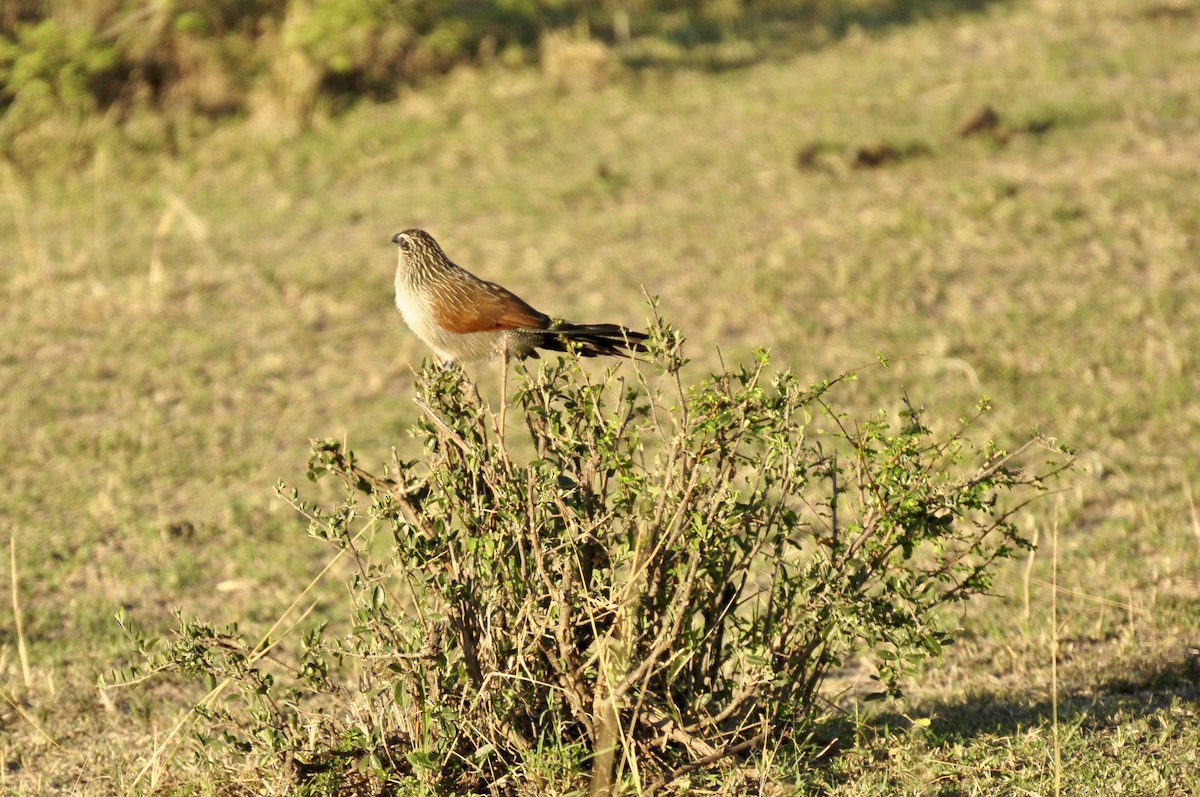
592,340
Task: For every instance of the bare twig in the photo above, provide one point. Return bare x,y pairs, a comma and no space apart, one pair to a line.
731,750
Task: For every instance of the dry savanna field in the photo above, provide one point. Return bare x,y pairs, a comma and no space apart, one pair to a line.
1003,200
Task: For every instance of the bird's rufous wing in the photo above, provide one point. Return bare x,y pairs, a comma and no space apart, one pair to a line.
469,304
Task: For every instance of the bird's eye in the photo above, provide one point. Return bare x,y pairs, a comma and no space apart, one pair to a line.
404,244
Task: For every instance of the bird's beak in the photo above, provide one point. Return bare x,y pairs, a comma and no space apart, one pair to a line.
396,239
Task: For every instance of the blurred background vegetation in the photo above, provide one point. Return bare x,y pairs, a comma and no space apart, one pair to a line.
287,62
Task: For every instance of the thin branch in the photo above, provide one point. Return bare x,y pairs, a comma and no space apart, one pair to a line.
731,750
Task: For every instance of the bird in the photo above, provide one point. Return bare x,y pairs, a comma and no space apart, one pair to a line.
463,318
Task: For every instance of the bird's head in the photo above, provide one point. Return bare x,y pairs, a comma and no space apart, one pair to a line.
418,250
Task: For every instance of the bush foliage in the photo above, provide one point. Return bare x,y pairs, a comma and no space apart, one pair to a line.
658,586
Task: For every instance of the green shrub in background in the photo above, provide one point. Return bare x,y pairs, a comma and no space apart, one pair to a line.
282,60
45,67
286,61
657,588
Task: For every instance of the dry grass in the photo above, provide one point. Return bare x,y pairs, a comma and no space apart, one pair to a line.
176,327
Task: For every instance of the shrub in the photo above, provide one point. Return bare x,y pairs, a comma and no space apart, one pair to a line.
45,67
658,586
